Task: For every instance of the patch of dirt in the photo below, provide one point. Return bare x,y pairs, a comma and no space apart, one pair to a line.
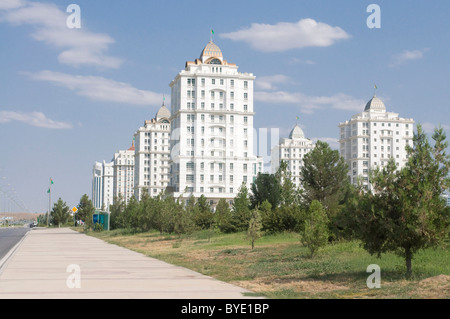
437,287
308,285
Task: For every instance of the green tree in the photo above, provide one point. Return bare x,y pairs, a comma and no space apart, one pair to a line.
254,227
405,211
202,214
86,211
289,194
324,178
265,187
182,218
117,216
224,217
315,233
241,209
146,205
163,214
60,213
132,211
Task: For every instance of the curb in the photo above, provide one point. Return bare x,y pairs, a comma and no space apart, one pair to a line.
4,260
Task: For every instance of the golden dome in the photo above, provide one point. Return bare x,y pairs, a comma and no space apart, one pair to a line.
211,51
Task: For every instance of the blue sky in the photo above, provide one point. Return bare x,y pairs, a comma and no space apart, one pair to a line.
70,97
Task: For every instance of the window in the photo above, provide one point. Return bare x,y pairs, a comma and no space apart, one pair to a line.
190,166
245,84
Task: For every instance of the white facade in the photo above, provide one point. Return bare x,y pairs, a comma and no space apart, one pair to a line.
292,150
102,185
124,174
371,138
212,128
152,155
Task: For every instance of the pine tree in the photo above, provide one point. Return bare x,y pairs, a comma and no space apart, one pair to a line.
324,178
86,211
60,213
265,187
405,212
224,217
315,233
254,227
241,209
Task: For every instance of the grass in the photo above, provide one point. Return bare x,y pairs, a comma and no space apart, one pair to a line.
279,266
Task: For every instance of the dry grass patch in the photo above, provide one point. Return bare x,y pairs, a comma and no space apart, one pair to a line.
279,267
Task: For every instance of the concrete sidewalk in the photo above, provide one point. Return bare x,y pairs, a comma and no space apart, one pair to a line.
39,269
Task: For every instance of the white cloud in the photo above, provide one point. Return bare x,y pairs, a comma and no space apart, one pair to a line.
11,4
284,36
429,127
301,61
308,104
79,46
408,55
37,119
99,88
267,82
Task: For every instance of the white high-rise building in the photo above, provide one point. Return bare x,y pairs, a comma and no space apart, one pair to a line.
124,174
102,185
292,150
152,155
212,128
373,137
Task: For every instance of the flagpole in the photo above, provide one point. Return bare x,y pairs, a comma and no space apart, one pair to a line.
49,201
48,214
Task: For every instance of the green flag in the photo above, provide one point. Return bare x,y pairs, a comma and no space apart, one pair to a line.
51,181
48,192
212,31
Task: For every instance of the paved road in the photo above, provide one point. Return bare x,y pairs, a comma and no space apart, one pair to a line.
9,237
